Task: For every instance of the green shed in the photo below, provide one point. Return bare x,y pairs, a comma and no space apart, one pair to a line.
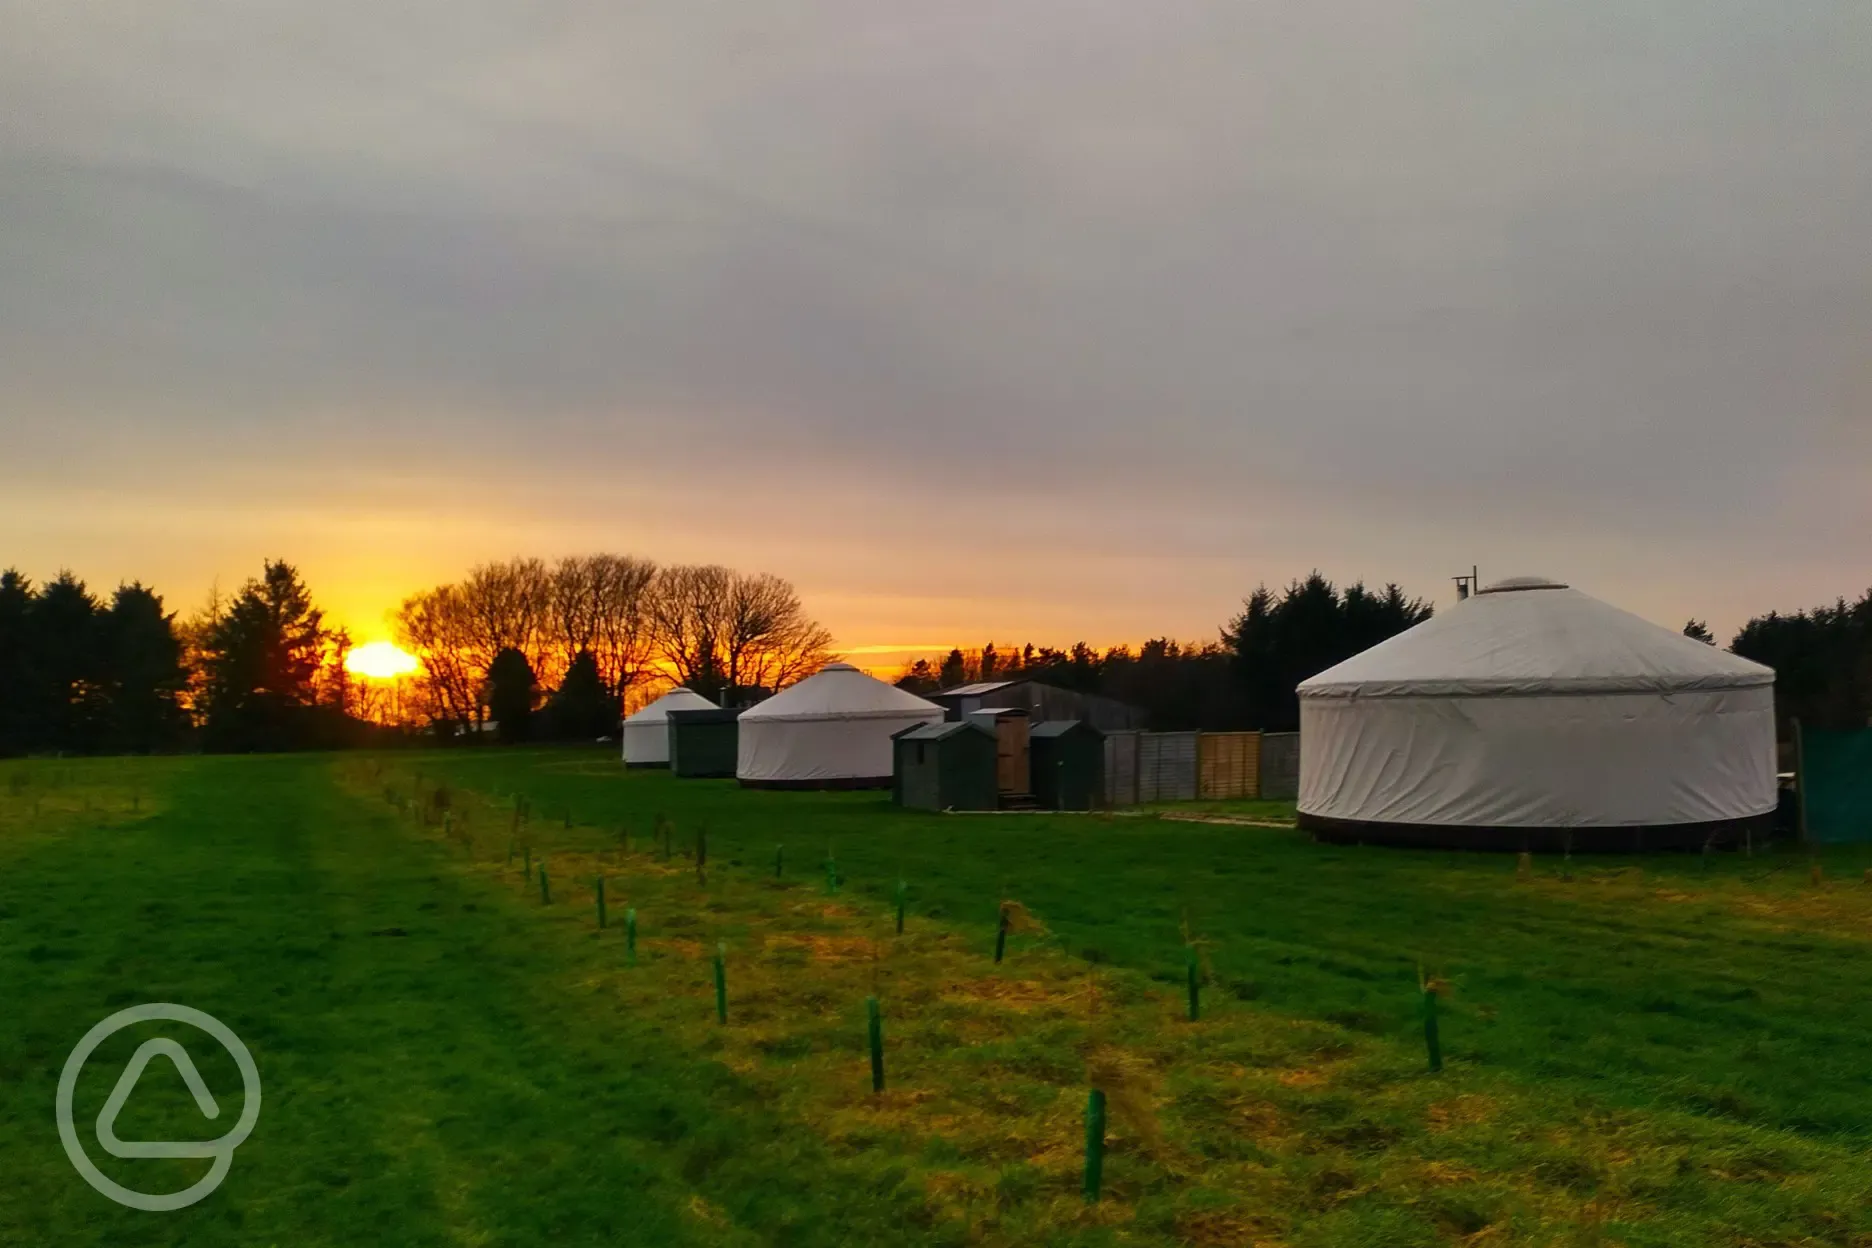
704,744
946,766
1068,764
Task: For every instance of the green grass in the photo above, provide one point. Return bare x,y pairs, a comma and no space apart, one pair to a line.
1656,1051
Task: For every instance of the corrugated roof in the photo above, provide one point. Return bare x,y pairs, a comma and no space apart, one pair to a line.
940,731
1060,727
977,689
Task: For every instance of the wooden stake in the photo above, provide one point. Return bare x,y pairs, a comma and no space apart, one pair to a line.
630,936
903,891
1195,986
1001,933
779,861
545,888
601,904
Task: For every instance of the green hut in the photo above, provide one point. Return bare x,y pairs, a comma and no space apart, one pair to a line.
946,766
704,744
1068,764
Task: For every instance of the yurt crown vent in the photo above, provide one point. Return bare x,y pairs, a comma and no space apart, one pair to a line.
1516,584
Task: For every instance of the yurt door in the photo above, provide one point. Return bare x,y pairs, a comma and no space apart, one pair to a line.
1014,771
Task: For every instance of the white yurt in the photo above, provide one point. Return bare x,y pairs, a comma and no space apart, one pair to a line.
646,734
1532,716
831,731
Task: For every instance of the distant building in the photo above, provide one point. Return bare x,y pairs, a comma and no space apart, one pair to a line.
1042,703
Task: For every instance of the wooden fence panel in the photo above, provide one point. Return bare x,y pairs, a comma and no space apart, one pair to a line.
1280,765
1167,766
1121,768
1229,765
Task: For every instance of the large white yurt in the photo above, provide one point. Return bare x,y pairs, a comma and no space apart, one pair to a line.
1532,716
646,734
831,731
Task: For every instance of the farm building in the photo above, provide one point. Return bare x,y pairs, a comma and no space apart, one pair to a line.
946,766
831,731
1042,702
704,744
646,734
1068,759
1532,716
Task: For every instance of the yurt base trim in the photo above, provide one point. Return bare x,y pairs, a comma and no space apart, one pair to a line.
646,766
1720,833
837,782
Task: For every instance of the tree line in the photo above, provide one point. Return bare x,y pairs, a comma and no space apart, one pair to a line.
1245,678
574,640
559,650
84,675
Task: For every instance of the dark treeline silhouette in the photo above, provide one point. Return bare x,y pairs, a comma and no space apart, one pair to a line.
1822,660
548,653
1244,680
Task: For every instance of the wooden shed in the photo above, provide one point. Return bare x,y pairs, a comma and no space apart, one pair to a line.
704,744
946,766
1068,764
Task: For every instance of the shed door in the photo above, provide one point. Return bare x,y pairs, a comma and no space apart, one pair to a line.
1013,771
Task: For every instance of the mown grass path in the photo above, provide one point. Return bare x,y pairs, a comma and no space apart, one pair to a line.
437,1086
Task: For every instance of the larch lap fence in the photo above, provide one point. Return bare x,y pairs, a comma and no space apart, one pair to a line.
1228,765
1212,766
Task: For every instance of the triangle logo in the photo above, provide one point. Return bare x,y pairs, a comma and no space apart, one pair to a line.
126,1084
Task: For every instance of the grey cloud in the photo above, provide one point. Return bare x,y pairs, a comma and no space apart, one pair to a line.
1165,266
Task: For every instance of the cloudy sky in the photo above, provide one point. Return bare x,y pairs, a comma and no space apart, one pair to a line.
1021,319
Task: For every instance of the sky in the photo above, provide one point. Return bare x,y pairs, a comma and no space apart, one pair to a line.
990,319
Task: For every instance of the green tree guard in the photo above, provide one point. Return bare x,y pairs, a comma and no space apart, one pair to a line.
1195,986
1095,1145
877,1044
601,903
1001,933
630,936
545,888
721,982
1432,1045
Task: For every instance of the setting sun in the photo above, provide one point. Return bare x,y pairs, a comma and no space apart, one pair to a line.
380,660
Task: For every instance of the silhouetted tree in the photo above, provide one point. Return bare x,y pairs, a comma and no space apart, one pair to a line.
582,709
19,720
66,658
510,695
143,674
1698,630
954,669
262,660
1822,660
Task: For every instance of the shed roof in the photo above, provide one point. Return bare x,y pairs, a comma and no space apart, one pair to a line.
977,689
940,731
1061,727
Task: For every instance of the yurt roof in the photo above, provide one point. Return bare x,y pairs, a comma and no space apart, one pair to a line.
678,699
1531,635
840,691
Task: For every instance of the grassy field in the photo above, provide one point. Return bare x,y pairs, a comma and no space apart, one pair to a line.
1639,1052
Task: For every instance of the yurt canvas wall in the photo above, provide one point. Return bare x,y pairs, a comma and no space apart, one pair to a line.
646,734
1533,716
832,730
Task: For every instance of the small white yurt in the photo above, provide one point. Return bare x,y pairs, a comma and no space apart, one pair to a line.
646,734
831,731
1532,716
